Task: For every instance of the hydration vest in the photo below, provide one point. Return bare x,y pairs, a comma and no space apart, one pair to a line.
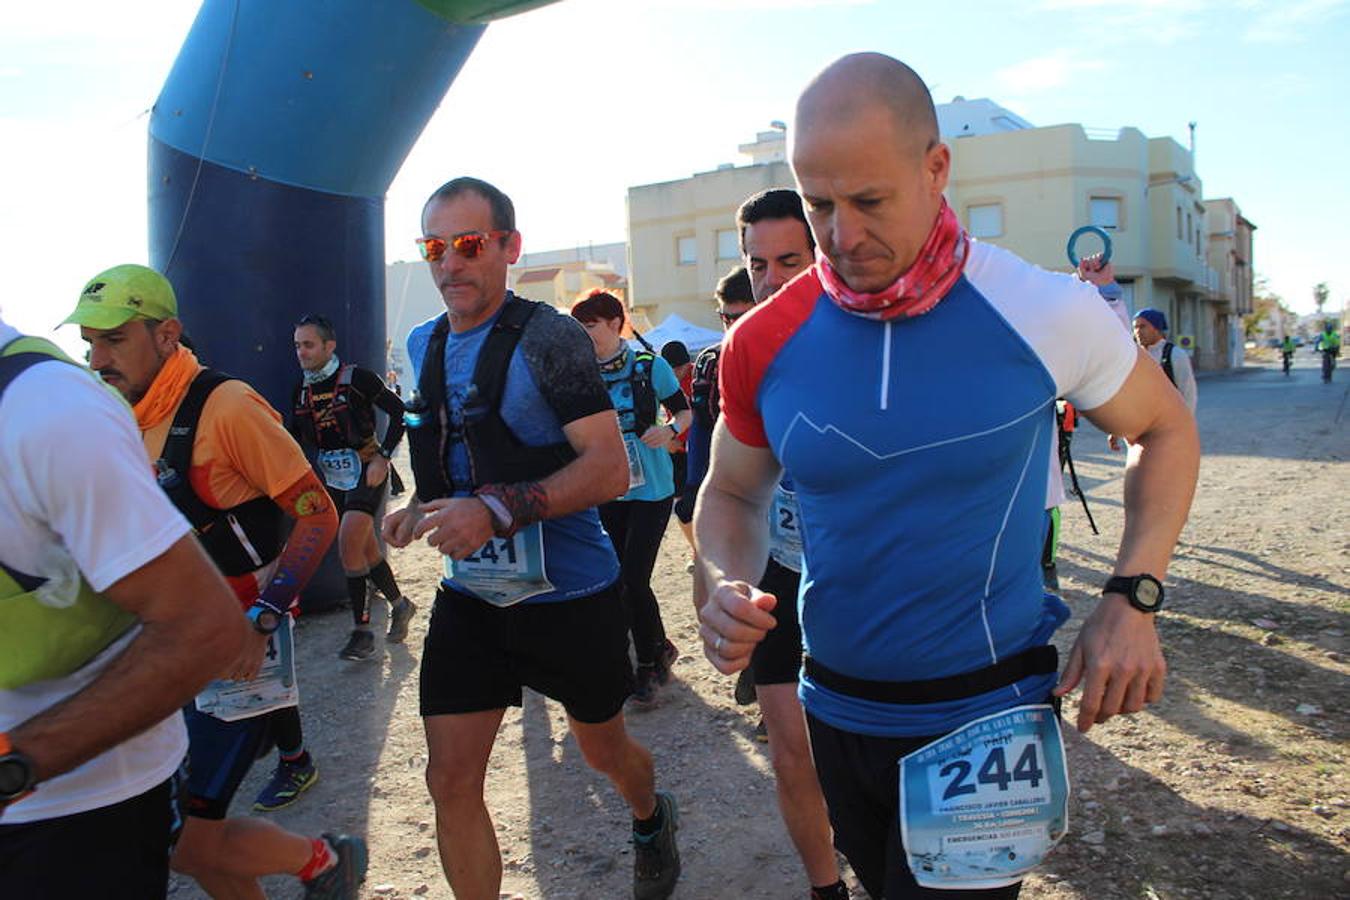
240,539
644,391
704,399
496,454
355,421
54,623
1167,362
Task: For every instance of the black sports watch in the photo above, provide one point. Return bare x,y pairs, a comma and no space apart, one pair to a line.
16,773
265,620
1144,592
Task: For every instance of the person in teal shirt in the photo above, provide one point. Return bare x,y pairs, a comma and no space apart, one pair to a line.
641,385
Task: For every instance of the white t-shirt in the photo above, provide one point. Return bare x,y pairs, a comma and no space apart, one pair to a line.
1181,368
76,492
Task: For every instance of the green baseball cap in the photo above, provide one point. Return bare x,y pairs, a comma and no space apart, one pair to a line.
115,297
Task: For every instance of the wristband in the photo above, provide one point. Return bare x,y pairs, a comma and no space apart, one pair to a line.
525,503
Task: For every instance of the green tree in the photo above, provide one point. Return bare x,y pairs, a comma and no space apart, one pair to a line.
1320,295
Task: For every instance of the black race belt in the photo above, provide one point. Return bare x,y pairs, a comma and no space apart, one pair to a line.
1042,660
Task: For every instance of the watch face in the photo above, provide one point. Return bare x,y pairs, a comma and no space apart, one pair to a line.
13,777
1147,592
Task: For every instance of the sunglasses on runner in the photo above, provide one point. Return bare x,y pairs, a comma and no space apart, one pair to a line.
728,318
468,245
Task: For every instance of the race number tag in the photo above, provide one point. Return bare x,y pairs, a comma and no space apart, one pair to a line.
636,476
274,688
785,529
982,806
504,571
341,468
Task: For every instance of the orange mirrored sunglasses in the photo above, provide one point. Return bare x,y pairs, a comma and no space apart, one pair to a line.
468,244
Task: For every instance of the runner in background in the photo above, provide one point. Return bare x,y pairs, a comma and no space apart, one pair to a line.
224,458
333,419
677,355
640,385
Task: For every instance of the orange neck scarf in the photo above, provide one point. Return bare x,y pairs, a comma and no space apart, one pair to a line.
168,389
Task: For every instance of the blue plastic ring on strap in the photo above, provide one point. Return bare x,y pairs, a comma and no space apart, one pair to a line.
1089,229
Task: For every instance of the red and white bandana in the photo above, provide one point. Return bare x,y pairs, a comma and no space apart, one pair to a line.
920,287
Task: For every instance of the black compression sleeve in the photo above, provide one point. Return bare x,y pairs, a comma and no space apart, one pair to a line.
373,388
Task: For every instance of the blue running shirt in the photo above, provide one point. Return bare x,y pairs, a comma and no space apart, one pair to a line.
917,448
552,380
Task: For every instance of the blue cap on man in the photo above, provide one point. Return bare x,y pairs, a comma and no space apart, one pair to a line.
1153,317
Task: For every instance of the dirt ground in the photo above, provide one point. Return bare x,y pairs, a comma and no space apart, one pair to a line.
1235,785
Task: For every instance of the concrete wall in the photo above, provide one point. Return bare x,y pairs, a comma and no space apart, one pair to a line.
698,207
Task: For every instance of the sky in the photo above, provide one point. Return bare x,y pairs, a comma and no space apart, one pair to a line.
567,106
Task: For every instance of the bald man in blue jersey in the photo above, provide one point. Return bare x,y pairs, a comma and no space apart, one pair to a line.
929,684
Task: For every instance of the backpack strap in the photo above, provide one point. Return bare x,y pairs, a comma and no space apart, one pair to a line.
644,391
494,360
239,539
176,457
1167,362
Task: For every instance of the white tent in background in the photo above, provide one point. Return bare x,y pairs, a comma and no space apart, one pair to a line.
675,328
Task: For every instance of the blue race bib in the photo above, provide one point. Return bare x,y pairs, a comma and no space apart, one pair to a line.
341,468
785,529
983,805
504,571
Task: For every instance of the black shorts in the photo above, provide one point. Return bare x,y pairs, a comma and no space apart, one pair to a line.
219,756
478,656
118,852
778,658
860,778
362,498
685,493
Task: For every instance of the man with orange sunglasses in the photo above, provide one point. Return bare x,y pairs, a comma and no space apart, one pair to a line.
514,443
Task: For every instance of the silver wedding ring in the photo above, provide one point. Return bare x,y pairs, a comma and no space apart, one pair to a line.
717,645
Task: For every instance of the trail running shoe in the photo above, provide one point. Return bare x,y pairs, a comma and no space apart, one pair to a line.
745,688
644,692
285,786
361,645
665,659
400,615
656,858
762,732
343,880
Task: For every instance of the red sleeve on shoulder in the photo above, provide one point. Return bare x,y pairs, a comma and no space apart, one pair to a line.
750,347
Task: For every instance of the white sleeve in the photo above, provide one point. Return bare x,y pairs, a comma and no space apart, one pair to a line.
1185,372
86,472
1077,337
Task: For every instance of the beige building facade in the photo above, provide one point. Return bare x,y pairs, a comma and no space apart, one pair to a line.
1015,185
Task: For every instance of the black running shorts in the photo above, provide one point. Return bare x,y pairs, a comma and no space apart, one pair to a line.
478,656
778,658
860,778
362,498
118,852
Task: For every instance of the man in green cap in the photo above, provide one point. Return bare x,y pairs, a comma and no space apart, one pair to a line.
226,461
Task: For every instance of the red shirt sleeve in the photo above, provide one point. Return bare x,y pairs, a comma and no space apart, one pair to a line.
750,347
